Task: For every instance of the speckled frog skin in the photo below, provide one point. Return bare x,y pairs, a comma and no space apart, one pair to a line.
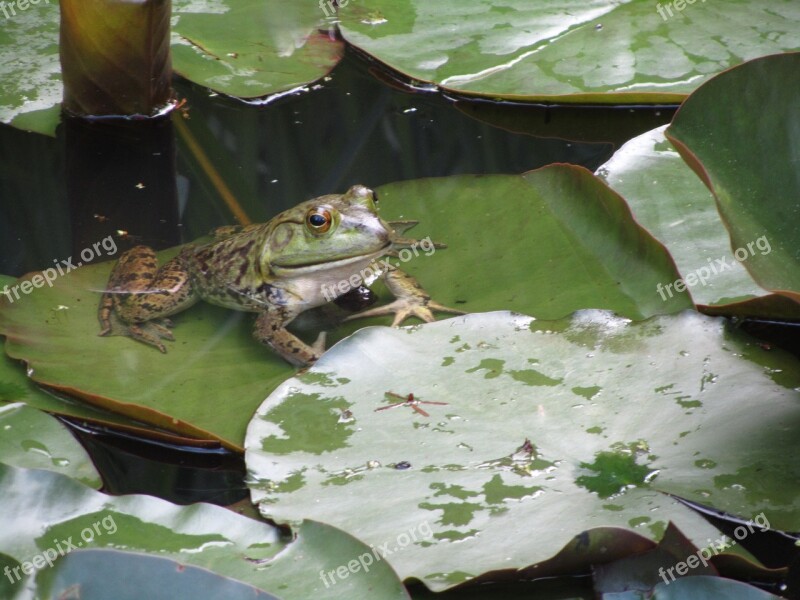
277,269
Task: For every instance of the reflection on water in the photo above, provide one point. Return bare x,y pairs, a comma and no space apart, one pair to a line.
160,184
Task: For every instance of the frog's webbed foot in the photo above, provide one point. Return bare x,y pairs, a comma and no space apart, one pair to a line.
140,296
411,301
149,332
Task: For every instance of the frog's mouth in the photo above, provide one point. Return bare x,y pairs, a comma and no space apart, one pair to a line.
341,261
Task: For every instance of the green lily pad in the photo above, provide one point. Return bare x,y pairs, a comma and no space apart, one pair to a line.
556,240
252,48
566,426
35,440
673,204
600,51
249,49
103,574
30,74
206,387
547,243
61,513
745,152
15,386
703,588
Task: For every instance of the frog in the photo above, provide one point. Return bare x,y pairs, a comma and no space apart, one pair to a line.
302,258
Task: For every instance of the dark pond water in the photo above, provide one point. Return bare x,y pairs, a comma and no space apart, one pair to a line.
170,182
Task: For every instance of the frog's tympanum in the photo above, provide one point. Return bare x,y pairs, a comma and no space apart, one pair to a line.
304,257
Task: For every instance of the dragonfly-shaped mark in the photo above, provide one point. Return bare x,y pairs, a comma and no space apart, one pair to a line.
408,400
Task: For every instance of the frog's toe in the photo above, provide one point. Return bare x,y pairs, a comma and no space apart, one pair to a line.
433,305
379,311
319,345
162,329
151,334
404,308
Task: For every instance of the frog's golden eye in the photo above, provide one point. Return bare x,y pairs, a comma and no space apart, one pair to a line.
319,220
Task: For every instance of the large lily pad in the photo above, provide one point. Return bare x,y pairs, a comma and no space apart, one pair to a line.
673,204
602,51
565,426
252,48
59,511
249,49
35,440
551,242
746,153
547,243
15,386
103,574
701,588
205,387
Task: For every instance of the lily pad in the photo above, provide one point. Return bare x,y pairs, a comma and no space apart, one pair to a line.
206,387
566,426
600,51
668,199
252,48
547,243
103,574
15,386
35,440
61,513
559,240
746,153
249,49
703,588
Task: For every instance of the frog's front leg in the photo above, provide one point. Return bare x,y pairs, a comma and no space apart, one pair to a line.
271,330
411,300
139,295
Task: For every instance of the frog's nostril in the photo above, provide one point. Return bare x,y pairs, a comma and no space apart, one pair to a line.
361,191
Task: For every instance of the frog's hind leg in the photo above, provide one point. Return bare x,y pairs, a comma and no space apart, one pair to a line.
412,300
140,296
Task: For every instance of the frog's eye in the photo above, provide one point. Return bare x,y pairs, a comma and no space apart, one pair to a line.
319,220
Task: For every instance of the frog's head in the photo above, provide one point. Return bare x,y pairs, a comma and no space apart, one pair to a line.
333,229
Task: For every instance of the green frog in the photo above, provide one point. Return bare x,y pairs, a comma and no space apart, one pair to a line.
303,258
